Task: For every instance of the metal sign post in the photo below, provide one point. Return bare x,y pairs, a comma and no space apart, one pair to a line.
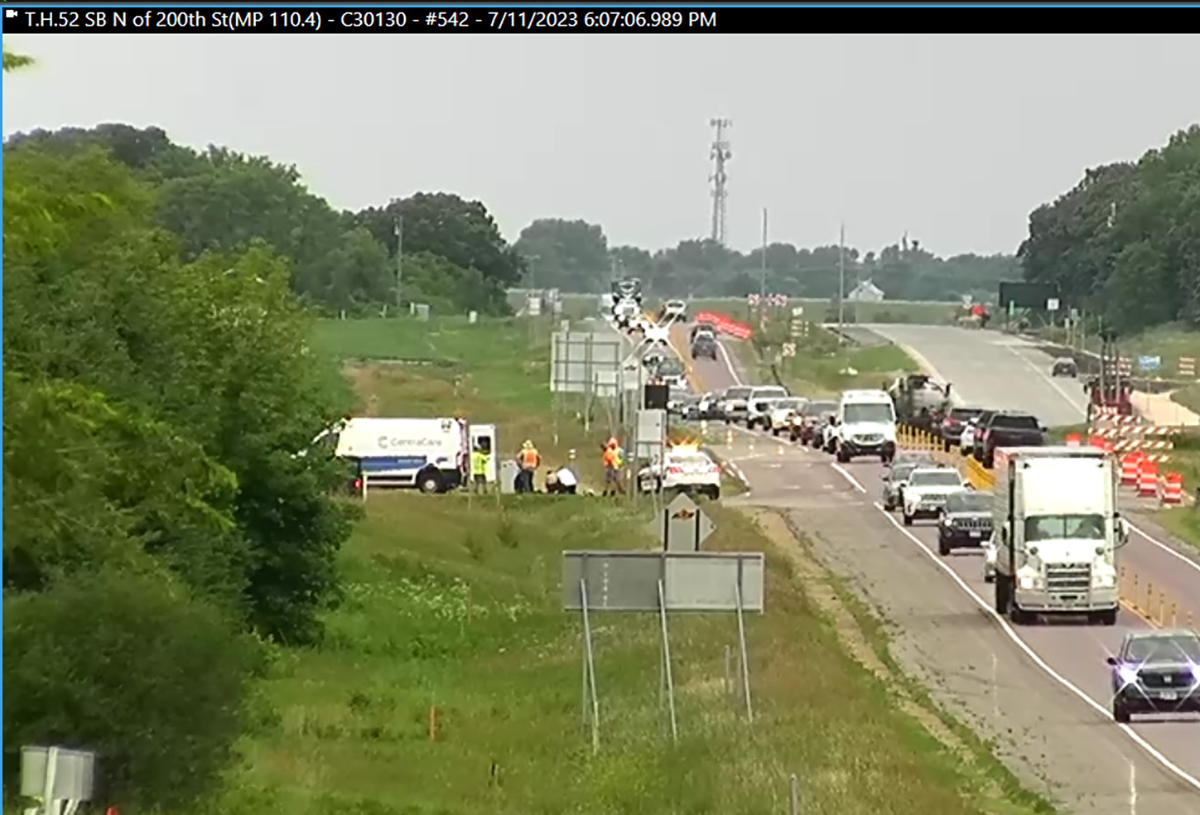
660,582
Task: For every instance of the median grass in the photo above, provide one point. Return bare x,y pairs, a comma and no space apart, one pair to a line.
823,366
450,679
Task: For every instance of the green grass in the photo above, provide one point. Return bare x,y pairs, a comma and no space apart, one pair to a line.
822,367
453,617
1189,397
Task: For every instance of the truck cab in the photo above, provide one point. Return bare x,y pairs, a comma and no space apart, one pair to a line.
865,426
1056,533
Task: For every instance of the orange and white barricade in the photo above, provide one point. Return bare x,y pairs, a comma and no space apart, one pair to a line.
1172,489
1147,483
1072,439
1130,467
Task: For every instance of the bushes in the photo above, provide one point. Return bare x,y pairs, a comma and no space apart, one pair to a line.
126,663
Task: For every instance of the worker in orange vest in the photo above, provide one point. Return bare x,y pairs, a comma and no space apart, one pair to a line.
528,460
614,462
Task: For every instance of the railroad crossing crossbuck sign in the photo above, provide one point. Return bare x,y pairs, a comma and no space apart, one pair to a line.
684,526
789,349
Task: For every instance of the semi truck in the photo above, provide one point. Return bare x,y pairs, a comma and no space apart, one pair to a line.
1056,531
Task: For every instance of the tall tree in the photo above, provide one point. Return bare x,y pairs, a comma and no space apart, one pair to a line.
571,255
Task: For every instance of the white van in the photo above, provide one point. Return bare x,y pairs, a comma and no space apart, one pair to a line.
865,426
433,455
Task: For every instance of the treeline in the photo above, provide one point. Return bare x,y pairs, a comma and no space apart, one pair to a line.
162,528
1124,244
217,200
575,256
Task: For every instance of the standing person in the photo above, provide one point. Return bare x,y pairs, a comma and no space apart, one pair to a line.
528,460
481,461
613,462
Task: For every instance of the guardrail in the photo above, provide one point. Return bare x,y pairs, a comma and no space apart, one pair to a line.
1138,595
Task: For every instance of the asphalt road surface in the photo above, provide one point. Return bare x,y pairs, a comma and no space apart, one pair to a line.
1041,692
995,370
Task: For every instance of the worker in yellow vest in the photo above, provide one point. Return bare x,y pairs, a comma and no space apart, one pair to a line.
481,466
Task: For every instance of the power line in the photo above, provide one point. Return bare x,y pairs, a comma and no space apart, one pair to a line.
719,153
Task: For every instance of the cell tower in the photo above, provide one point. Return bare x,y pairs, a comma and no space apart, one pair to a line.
719,154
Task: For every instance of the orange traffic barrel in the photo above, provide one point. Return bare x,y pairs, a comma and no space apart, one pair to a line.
1147,483
1130,463
1073,439
1172,488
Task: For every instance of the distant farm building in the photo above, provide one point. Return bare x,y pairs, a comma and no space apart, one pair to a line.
866,292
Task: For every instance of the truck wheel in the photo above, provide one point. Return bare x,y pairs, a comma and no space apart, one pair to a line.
430,482
842,457
1108,617
908,519
1018,616
775,432
944,547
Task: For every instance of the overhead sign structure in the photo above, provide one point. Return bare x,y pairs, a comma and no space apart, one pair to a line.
683,526
576,357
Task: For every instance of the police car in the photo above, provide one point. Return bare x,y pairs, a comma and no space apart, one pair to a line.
682,468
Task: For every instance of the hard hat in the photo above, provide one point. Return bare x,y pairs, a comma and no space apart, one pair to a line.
527,444
612,441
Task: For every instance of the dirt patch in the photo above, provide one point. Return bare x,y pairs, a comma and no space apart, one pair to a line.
821,588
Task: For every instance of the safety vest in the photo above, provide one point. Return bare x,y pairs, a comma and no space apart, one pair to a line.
612,458
530,459
479,463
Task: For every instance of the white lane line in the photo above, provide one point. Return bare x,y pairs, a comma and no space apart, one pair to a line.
846,475
1049,380
1010,632
737,380
1007,628
1170,550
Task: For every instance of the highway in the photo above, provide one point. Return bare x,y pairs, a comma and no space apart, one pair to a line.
989,369
1041,692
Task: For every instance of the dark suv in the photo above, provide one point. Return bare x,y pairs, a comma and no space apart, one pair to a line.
1156,672
953,424
1006,428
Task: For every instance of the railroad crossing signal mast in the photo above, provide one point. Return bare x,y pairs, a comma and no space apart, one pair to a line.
1111,388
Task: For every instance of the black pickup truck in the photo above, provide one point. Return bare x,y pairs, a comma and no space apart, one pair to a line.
1006,428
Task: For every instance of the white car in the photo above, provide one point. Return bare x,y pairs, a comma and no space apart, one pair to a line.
779,417
674,311
683,468
758,404
926,489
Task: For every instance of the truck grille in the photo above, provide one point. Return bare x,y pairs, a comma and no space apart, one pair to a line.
1070,578
1165,679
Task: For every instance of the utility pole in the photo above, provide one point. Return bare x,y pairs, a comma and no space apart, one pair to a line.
842,284
720,153
762,271
399,227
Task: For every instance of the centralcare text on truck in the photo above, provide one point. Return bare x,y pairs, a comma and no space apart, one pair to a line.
432,455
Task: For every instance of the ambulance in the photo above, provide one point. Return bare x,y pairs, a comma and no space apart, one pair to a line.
432,455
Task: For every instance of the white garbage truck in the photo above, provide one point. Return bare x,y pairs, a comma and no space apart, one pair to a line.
1056,534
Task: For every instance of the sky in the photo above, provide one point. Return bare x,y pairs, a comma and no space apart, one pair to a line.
952,139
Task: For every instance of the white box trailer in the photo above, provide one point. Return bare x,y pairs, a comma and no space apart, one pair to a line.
1056,532
432,455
